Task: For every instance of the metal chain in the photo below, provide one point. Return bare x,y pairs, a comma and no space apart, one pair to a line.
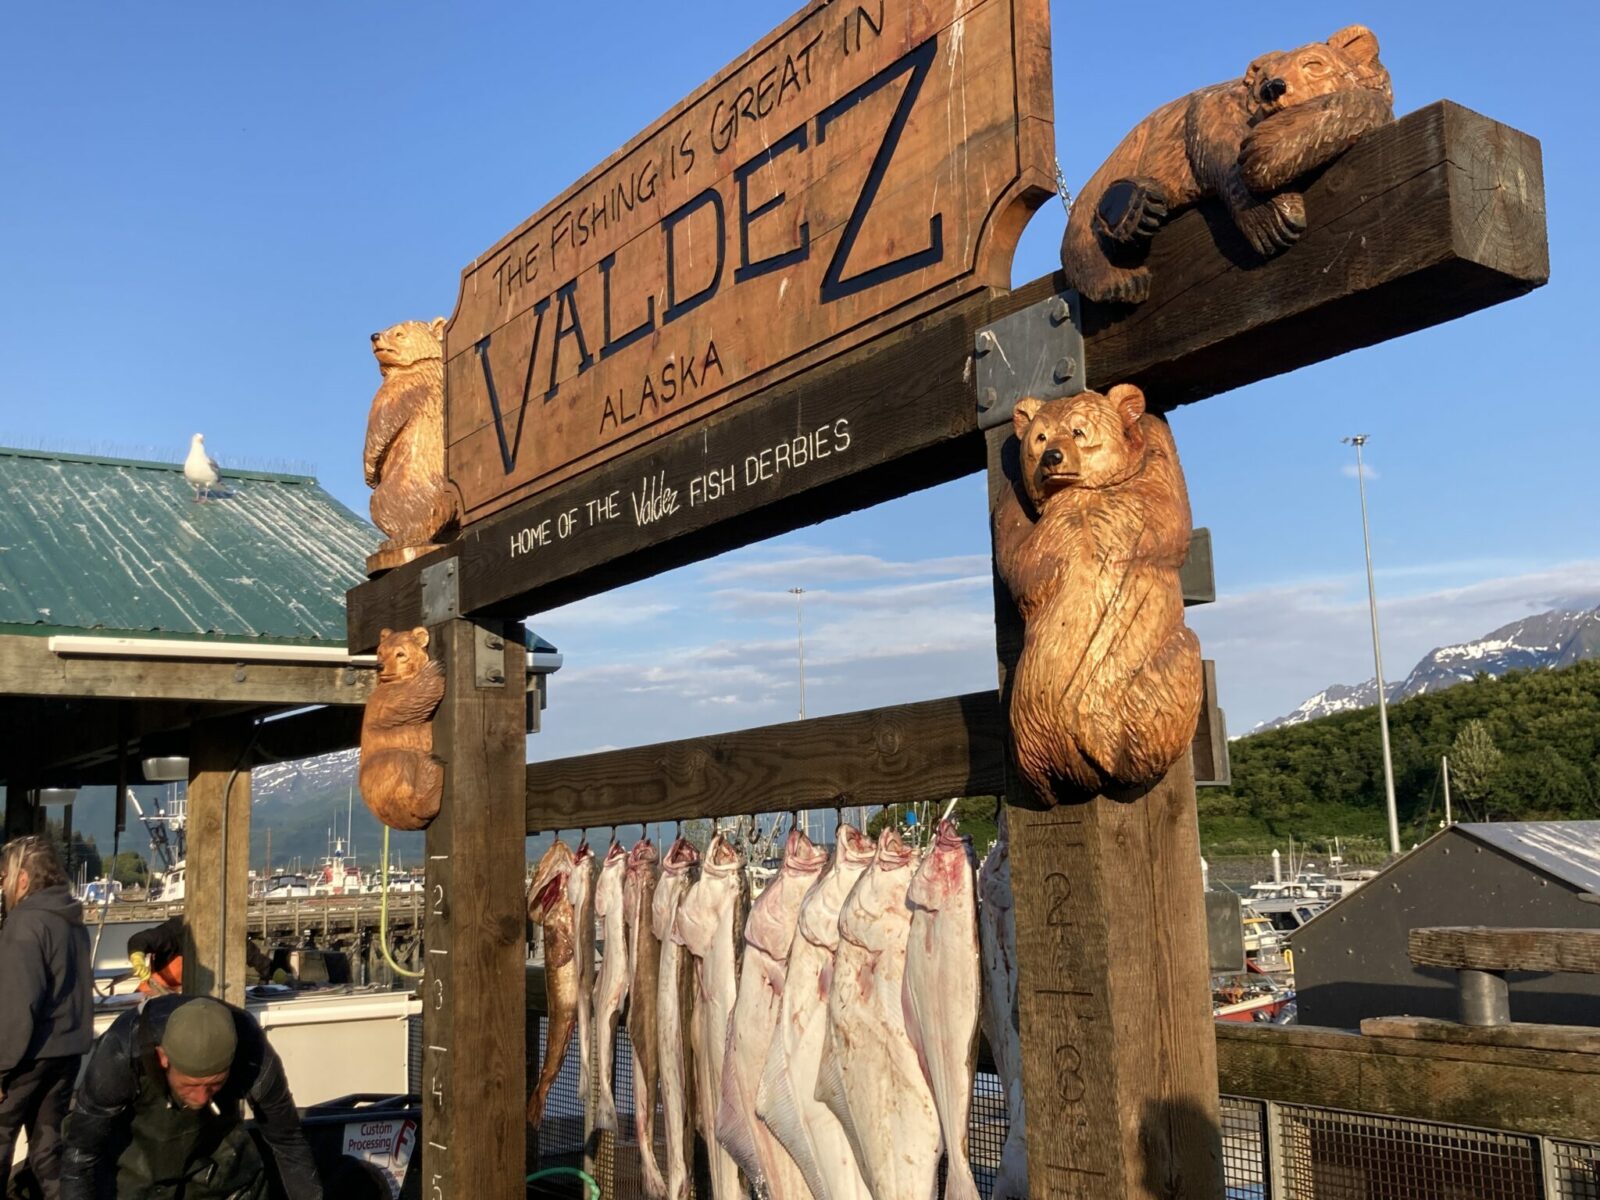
1061,189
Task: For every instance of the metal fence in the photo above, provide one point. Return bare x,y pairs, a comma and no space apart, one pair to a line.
1269,1151
1298,1152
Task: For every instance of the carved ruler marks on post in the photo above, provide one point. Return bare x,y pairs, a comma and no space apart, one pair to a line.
1064,1000
473,987
866,163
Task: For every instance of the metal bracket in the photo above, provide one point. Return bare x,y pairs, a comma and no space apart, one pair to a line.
1037,351
441,593
489,656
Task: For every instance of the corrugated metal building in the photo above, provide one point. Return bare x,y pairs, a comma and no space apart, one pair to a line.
116,545
129,611
1351,962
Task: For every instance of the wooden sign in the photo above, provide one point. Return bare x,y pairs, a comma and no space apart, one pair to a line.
864,165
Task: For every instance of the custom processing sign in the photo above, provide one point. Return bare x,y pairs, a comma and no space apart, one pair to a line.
863,165
387,1144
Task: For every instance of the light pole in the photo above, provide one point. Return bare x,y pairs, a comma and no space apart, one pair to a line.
800,639
1358,441
800,643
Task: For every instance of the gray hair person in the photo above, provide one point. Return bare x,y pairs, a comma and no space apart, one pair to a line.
46,1005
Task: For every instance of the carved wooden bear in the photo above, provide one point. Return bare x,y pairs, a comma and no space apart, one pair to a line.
1108,687
401,780
1244,141
412,502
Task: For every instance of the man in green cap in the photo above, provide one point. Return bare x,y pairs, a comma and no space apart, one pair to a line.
157,1114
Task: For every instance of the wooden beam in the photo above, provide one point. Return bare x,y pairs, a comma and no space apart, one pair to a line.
218,863
1585,1038
1482,949
932,750
1436,216
1120,1079
1545,1093
473,1022
28,668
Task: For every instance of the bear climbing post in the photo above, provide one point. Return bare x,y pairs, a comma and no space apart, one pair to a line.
1102,683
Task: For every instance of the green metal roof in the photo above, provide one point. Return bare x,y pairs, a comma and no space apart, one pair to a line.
120,545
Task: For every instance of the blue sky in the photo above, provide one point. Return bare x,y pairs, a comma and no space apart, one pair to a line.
207,209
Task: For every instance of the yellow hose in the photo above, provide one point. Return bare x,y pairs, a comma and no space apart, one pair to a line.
383,914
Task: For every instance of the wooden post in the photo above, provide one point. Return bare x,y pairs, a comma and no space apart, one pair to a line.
218,860
473,1029
1119,1061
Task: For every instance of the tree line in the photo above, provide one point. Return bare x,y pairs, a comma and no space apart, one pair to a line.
1525,746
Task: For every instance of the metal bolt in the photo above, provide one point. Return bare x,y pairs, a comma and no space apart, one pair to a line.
987,341
238,674
988,398
1060,311
495,675
1066,368
494,641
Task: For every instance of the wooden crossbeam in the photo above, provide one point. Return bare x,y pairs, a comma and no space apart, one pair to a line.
932,750
1477,948
1439,215
904,754
29,668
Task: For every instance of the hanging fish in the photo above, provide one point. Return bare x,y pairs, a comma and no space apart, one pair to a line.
708,917
644,964
869,1074
580,890
941,993
787,1100
549,908
612,987
767,935
674,1004
997,933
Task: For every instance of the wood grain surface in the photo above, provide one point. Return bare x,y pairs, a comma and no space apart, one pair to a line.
1438,215
863,164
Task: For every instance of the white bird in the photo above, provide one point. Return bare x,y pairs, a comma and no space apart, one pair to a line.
200,468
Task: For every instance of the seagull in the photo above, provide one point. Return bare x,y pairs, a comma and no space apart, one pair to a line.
200,468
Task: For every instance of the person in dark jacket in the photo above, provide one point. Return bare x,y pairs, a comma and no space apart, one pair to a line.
156,955
157,1114
46,1005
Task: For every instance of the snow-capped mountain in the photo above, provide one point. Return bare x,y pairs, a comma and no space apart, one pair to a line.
1552,639
328,777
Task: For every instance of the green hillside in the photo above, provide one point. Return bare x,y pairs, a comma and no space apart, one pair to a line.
1525,746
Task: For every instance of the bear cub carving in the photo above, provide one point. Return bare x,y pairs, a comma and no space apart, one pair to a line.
401,781
412,502
1244,140
1108,687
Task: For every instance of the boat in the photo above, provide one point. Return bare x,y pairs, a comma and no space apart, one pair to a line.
1254,996
287,885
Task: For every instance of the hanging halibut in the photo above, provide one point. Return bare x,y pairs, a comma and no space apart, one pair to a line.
787,1100
941,993
549,908
870,1076
767,935
674,1003
644,964
997,933
580,890
612,987
708,917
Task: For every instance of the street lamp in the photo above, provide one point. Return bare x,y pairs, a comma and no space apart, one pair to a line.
1358,441
800,639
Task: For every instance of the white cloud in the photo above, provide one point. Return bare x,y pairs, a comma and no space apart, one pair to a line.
1367,470
1275,646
